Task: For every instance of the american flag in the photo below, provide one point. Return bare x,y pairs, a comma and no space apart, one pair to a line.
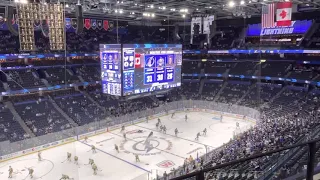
267,16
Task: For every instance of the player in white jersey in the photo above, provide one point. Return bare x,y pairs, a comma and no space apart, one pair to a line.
76,160
85,139
39,156
91,161
93,148
198,135
94,168
176,131
10,172
68,156
30,172
237,125
64,177
137,158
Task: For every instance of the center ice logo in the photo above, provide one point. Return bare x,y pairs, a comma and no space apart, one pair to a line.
141,146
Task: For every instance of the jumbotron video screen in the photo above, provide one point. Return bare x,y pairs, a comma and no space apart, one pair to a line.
110,58
128,69
151,67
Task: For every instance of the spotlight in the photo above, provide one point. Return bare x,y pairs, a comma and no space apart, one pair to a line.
231,4
183,15
151,6
242,2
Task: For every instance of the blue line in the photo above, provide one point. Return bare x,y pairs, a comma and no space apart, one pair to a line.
118,158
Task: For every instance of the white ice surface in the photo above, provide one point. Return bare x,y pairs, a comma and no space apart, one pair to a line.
122,166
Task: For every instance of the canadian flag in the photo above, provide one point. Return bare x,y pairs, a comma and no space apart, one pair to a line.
284,11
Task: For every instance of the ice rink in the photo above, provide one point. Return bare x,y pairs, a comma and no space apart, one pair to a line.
168,151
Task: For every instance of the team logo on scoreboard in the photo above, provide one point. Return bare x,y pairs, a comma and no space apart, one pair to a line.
141,146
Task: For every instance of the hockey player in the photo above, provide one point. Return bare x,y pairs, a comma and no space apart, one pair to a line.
161,128
30,172
157,125
198,135
176,131
186,118
93,148
221,118
68,156
205,131
125,136
137,158
91,161
10,172
164,129
116,148
86,139
159,121
237,125
64,177
172,115
147,119
76,160
94,168
122,128
39,156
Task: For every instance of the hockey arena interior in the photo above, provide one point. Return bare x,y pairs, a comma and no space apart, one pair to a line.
159,89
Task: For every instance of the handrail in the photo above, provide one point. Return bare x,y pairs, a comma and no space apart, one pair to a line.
245,159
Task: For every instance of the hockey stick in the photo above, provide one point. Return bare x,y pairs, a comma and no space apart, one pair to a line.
64,160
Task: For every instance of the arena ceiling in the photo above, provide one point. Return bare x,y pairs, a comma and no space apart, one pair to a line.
179,10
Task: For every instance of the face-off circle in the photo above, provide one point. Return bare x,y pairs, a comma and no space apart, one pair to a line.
141,146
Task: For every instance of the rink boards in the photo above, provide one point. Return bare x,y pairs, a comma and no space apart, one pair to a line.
111,128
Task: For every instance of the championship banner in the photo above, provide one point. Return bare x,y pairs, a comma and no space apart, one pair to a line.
93,23
105,25
284,12
99,24
111,25
87,23
74,23
1,19
68,23
196,25
207,22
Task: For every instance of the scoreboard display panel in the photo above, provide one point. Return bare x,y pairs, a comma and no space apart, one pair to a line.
110,58
150,67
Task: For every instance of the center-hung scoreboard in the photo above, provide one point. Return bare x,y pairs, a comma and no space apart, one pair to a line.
128,69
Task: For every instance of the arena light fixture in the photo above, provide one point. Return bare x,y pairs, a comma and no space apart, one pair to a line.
242,2
231,4
151,6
